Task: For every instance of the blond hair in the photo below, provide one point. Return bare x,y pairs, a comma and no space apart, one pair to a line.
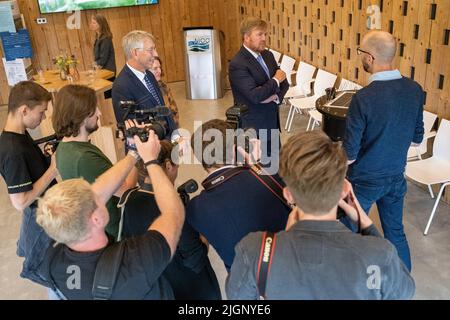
314,169
65,209
135,40
250,23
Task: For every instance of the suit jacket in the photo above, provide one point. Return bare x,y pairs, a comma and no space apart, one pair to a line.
251,85
128,87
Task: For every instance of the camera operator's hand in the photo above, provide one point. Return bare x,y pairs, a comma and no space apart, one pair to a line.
255,156
53,164
351,207
148,150
280,75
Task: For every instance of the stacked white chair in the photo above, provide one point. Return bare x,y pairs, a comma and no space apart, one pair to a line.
276,55
287,65
434,170
428,122
322,81
348,85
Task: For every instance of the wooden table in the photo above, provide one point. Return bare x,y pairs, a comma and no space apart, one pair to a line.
104,137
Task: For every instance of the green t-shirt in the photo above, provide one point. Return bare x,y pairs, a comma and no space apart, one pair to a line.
84,160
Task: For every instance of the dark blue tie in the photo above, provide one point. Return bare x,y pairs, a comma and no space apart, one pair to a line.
152,89
263,65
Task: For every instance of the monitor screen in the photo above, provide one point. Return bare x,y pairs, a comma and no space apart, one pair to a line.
52,6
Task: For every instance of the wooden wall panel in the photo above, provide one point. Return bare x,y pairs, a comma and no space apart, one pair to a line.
326,33
165,21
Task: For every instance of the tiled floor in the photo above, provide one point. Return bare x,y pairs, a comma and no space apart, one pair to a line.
430,254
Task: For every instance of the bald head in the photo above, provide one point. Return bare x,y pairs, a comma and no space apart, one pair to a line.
381,45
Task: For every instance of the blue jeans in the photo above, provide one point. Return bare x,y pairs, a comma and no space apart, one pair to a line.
388,194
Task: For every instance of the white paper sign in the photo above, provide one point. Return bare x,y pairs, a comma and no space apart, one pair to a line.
15,71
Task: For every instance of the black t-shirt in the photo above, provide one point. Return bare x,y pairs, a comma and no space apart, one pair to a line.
139,278
22,162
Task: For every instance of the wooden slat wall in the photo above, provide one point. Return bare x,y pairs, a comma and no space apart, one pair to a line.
165,21
326,32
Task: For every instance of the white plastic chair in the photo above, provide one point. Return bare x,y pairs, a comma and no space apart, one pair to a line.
428,122
322,81
436,169
303,77
276,55
315,119
305,74
287,65
348,85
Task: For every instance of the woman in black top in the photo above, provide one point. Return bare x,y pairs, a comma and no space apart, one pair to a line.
104,55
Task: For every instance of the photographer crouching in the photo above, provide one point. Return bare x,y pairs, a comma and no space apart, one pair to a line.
87,264
27,172
189,273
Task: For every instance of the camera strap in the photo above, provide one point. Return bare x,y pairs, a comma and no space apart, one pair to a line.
258,172
122,202
210,183
264,263
106,271
269,182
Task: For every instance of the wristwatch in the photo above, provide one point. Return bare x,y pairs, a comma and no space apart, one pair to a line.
134,154
155,161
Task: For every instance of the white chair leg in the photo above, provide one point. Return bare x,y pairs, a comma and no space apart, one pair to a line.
436,203
292,119
309,123
288,117
431,191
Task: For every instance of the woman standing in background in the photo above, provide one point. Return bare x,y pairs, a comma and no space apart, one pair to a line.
104,56
165,90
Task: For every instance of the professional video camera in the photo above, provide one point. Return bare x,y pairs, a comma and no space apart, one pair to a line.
51,143
234,114
152,118
189,186
234,117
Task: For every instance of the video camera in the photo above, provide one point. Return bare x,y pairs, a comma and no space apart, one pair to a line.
51,143
152,118
189,186
234,117
234,114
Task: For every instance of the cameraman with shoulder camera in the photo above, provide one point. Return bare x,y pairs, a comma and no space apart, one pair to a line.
75,117
86,263
317,257
27,172
235,202
189,273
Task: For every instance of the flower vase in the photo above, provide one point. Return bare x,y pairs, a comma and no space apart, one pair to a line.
73,71
63,74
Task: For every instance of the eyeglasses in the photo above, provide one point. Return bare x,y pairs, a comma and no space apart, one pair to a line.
359,51
150,50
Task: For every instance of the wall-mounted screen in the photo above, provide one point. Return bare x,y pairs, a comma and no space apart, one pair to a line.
52,6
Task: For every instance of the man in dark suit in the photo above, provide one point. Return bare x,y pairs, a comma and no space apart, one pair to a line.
135,82
256,79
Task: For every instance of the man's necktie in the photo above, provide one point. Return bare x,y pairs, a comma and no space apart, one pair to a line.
263,65
152,90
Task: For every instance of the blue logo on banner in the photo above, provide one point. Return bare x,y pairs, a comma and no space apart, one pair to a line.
200,44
